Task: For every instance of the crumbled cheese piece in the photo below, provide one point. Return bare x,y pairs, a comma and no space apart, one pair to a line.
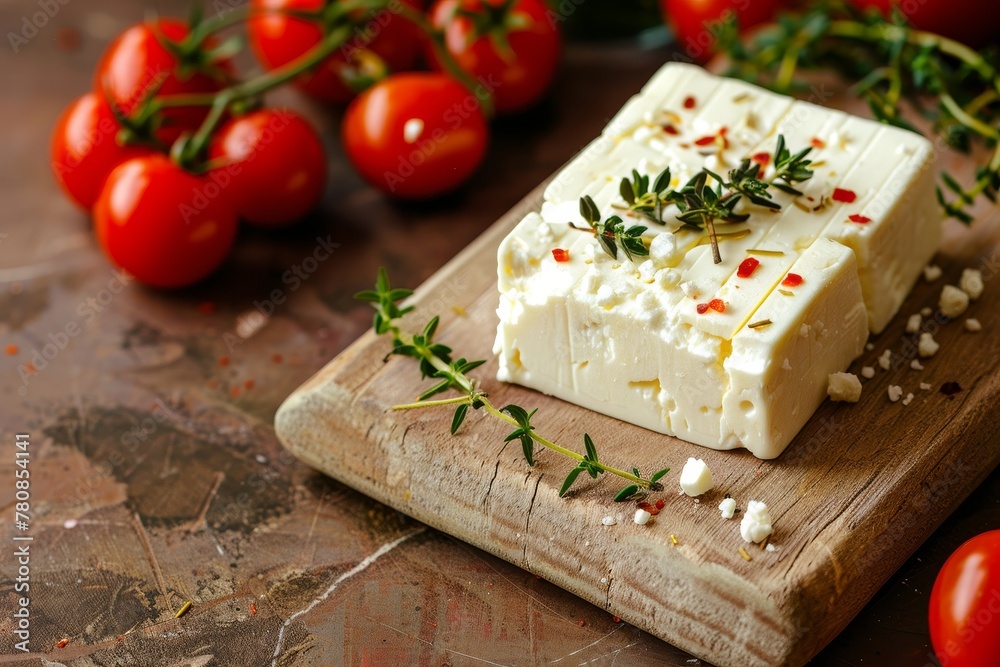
932,272
925,385
926,311
608,521
908,399
696,478
927,346
689,288
605,296
804,330
843,387
972,324
913,324
771,547
728,508
785,365
641,517
647,271
869,346
916,365
895,392
953,301
972,283
868,372
756,522
885,360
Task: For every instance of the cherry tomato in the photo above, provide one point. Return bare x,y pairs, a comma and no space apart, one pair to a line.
514,53
964,612
973,23
163,225
138,64
85,149
272,164
278,38
415,134
697,23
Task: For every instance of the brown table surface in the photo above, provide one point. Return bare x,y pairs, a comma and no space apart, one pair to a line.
156,475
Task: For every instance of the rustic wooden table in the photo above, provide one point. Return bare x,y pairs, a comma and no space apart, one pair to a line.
156,476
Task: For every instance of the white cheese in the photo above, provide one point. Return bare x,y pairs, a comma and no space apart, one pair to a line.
925,385
867,372
926,311
927,346
913,324
641,517
953,301
696,478
916,365
728,508
972,324
756,522
844,387
972,283
608,521
885,360
895,392
932,272
908,399
634,341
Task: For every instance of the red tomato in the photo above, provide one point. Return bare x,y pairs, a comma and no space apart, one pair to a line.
272,164
964,612
278,38
85,149
518,77
163,225
697,23
138,64
973,23
415,134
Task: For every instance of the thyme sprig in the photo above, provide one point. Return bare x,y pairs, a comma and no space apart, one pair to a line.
895,66
703,201
435,360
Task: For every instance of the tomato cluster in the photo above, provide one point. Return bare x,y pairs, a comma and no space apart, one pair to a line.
171,149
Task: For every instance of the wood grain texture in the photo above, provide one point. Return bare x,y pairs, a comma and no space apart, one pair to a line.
860,488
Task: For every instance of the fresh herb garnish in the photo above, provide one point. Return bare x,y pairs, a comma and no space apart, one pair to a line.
612,232
895,66
436,363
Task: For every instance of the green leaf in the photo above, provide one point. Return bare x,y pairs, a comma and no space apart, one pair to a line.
456,421
439,388
588,444
519,414
431,328
382,282
662,182
627,493
514,435
589,210
367,295
528,447
399,294
658,475
568,482
625,189
470,365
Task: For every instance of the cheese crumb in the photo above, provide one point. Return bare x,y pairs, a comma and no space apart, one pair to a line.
641,517
913,324
926,311
925,385
756,522
867,372
696,478
932,272
869,346
972,324
785,365
908,399
895,392
647,270
608,521
953,301
927,346
972,283
728,508
916,365
885,360
605,296
804,330
843,387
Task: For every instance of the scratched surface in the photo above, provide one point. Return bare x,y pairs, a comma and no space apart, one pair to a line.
156,476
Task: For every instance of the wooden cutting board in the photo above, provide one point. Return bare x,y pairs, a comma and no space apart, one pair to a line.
853,496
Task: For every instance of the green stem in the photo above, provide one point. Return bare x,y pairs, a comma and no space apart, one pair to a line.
956,110
206,29
428,404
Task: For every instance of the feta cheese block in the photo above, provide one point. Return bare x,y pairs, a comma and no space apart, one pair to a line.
638,340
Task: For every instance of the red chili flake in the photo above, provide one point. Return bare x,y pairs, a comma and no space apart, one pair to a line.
11,350
717,305
747,267
689,102
846,196
792,280
857,217
223,361
560,254
702,308
816,142
253,609
660,504
206,308
615,619
490,584
705,141
62,643
433,624
581,623
538,576
276,358
949,389
670,129
762,158
235,392
30,368
68,39
647,507
249,384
